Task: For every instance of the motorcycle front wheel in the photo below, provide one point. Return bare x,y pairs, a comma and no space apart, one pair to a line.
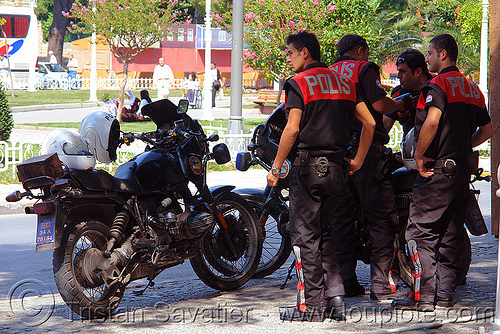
215,264
276,248
88,299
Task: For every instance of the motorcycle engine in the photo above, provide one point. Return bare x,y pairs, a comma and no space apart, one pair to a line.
186,225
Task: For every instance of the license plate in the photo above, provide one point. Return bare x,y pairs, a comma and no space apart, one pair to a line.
45,230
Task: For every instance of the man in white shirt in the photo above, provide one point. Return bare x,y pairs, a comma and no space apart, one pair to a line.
4,69
72,67
52,58
163,77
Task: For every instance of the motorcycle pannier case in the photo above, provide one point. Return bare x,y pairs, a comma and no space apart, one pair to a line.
43,165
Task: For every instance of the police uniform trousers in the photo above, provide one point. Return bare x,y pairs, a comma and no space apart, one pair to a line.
435,232
376,198
312,207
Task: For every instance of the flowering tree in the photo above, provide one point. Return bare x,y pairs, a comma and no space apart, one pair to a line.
128,26
269,22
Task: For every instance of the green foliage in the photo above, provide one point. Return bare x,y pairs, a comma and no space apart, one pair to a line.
128,26
6,120
469,19
44,12
269,22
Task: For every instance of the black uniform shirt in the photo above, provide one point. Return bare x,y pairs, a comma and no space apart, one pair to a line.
463,110
328,102
366,76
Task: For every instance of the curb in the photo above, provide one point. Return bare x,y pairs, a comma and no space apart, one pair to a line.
54,106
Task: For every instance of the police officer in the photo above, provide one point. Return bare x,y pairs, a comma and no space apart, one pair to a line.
372,189
321,105
451,119
412,74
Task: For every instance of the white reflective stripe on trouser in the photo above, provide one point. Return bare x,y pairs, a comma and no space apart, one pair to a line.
301,298
412,249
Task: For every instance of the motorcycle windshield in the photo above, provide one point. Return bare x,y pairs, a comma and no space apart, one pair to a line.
164,112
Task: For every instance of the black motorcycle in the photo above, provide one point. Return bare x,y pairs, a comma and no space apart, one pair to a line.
271,204
107,231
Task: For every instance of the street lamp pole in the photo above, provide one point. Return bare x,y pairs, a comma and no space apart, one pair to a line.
207,84
93,71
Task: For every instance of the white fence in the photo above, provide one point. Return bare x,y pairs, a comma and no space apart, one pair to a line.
12,153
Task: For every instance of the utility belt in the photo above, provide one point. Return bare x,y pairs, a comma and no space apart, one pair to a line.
321,163
382,153
447,166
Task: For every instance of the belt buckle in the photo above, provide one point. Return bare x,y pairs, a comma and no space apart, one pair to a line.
449,167
321,166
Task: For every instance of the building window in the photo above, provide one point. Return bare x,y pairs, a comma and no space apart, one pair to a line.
190,36
222,36
170,37
180,35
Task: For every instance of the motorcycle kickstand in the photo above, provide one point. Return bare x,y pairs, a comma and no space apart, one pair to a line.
139,292
288,276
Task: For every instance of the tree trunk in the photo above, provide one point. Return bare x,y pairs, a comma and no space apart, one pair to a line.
58,28
122,90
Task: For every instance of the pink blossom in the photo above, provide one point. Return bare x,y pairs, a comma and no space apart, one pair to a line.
336,41
316,3
249,16
299,23
262,2
261,27
324,15
127,8
291,24
274,11
337,21
270,22
65,14
331,8
73,26
282,29
276,2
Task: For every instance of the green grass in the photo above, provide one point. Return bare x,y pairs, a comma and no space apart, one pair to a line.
49,96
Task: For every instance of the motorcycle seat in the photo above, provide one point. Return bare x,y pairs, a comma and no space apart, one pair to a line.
100,180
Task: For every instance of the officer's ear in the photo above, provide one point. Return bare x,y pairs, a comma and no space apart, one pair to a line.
418,71
305,52
443,54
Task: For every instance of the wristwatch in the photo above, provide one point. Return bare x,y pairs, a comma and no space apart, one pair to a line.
275,171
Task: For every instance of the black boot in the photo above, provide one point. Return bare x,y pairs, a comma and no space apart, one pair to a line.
412,304
335,308
353,288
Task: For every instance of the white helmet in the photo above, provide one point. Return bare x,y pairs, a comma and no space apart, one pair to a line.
408,150
103,131
71,148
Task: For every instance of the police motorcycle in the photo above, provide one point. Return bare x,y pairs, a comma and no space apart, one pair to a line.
271,203
109,230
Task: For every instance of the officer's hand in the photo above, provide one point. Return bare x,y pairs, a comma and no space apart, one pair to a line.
272,180
424,171
354,165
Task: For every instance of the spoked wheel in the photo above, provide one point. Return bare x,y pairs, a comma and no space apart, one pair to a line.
216,264
85,293
405,264
276,248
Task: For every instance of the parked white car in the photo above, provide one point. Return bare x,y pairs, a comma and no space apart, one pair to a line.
54,76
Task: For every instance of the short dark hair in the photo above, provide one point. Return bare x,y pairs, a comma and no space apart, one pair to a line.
413,59
446,42
214,63
349,42
304,39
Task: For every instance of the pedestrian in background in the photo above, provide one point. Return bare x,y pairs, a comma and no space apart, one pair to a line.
72,67
216,81
4,69
52,58
163,77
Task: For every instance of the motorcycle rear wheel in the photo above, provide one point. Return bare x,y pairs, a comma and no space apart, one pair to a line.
88,301
405,264
215,264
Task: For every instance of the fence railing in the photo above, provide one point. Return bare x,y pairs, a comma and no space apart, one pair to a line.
12,153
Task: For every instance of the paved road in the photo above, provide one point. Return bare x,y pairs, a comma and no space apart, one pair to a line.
180,302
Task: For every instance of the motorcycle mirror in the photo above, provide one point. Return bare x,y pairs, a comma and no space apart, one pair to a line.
183,106
243,161
214,137
221,154
14,197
